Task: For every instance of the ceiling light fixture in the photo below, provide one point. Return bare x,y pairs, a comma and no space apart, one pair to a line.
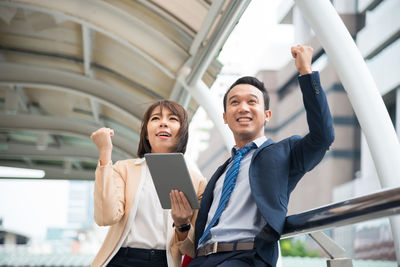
10,172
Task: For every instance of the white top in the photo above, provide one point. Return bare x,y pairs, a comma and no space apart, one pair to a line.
145,173
241,220
149,227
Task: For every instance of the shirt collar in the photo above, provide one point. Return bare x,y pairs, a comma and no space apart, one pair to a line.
140,161
258,142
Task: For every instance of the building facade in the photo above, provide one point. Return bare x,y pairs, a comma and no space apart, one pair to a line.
347,170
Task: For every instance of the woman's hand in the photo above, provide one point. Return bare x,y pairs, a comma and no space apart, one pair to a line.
181,212
180,208
102,139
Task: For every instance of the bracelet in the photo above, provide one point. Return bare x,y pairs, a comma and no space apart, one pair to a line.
183,228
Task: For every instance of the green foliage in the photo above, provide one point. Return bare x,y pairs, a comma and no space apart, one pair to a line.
296,248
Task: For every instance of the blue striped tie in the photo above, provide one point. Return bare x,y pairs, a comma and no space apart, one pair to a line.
228,186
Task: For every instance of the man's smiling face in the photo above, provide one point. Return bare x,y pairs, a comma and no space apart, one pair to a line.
245,112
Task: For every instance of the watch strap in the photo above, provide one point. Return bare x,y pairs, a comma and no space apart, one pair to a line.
182,228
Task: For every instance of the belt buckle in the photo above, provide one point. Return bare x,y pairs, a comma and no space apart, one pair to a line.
213,249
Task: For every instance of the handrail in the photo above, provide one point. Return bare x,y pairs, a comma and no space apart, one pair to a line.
376,205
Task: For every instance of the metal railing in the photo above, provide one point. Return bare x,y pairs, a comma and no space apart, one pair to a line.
376,205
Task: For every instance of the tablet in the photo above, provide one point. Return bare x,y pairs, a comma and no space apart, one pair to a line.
169,172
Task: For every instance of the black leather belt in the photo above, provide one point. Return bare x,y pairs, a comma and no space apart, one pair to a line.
224,247
143,254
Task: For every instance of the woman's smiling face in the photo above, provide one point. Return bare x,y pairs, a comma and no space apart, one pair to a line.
163,130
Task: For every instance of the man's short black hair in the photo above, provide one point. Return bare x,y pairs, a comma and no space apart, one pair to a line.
254,82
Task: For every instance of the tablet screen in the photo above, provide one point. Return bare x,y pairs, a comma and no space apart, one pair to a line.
169,172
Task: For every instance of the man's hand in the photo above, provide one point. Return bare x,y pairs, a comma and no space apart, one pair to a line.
302,55
102,139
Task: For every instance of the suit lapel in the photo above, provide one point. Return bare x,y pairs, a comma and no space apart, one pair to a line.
264,145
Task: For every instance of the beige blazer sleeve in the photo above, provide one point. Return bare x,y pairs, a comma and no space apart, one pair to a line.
179,248
109,194
114,191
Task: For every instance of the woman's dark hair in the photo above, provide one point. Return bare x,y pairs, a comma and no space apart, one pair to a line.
183,134
252,81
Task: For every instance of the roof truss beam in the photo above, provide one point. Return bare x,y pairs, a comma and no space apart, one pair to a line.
217,40
50,124
38,77
87,50
24,99
208,22
17,150
115,25
197,65
42,140
96,110
11,100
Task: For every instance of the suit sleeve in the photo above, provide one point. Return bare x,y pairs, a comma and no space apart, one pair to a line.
308,151
187,246
109,195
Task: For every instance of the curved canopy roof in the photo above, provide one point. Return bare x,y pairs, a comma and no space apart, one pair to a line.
68,67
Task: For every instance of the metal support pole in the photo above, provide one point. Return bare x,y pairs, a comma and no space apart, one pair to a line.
397,116
237,9
190,77
362,92
202,94
336,253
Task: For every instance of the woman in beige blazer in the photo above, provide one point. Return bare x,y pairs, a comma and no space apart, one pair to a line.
141,232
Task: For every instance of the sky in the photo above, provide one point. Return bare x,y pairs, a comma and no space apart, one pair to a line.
257,42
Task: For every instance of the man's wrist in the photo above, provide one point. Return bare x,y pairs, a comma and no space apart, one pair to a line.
305,71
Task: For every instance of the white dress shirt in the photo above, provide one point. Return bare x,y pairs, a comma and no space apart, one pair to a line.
149,226
241,220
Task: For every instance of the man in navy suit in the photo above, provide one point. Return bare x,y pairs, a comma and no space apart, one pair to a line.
248,229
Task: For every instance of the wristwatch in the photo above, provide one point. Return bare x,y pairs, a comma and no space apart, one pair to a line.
182,228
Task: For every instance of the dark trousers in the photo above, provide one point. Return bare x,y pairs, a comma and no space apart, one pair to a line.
139,257
244,258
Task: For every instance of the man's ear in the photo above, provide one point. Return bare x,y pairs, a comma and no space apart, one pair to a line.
268,114
224,116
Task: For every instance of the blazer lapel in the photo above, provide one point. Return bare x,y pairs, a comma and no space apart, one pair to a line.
264,145
206,202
